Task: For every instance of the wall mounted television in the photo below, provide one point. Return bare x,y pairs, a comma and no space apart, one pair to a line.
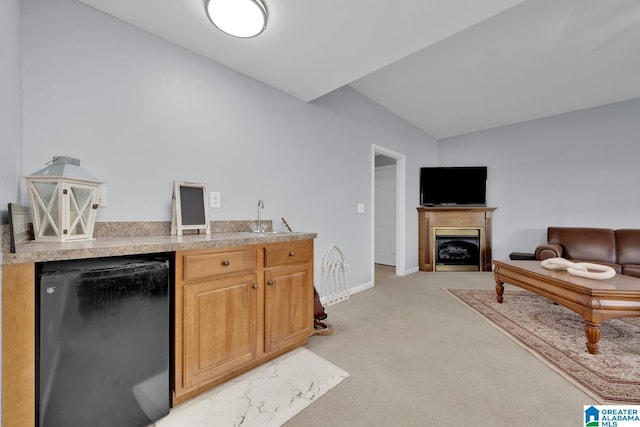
453,186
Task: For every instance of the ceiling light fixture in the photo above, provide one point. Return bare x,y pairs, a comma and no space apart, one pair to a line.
239,18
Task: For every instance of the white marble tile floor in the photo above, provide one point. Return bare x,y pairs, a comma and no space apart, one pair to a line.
266,396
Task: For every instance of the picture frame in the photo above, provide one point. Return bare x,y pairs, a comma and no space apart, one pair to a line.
190,208
20,228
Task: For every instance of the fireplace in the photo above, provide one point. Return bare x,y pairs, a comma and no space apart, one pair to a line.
456,249
454,221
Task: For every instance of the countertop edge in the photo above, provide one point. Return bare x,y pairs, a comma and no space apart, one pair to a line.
117,246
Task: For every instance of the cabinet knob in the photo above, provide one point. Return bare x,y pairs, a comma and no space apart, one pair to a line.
226,263
292,254
255,286
270,283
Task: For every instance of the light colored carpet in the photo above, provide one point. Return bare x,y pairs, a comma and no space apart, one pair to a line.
266,396
418,357
555,334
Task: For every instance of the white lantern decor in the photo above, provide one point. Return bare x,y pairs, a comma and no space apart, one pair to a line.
63,201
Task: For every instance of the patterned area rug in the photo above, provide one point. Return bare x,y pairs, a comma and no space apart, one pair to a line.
556,336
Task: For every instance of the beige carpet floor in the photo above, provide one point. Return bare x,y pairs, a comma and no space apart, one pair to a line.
418,357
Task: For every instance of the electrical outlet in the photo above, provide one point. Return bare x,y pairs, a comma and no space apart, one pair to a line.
360,207
214,199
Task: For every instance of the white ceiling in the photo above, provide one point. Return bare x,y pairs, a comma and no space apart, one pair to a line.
448,66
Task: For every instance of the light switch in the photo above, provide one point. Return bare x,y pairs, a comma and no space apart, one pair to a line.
360,207
214,199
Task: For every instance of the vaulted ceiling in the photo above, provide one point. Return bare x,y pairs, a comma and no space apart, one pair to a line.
448,66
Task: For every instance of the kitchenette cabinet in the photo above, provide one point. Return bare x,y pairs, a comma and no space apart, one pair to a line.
18,345
235,309
288,294
239,300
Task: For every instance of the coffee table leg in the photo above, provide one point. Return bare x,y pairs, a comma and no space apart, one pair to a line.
499,290
592,331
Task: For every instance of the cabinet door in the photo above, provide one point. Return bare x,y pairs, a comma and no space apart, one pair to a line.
288,306
219,327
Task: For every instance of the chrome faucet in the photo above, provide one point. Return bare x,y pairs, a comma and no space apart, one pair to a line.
260,207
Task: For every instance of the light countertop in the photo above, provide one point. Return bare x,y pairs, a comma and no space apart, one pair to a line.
104,246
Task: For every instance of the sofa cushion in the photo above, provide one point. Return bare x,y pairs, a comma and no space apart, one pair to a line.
631,270
585,243
548,250
628,246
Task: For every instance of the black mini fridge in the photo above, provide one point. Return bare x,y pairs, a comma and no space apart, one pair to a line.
103,342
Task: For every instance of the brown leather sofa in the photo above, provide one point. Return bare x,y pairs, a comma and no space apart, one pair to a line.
619,249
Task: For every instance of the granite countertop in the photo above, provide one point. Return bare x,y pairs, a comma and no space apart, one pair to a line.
130,239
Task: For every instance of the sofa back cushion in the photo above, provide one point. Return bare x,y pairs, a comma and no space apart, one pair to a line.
628,246
585,244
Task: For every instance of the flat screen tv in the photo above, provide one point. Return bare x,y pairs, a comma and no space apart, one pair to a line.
453,186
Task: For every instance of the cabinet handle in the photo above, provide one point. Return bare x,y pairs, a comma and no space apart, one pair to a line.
292,254
270,283
226,263
255,286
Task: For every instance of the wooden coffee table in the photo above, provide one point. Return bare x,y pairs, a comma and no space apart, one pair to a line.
595,300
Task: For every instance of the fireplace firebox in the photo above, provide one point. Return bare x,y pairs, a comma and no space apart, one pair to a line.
457,249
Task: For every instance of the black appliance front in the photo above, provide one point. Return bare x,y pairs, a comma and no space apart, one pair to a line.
103,342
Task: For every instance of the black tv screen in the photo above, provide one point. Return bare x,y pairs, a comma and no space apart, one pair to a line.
453,185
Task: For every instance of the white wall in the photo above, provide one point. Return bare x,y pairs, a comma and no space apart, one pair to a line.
140,113
574,169
10,113
10,103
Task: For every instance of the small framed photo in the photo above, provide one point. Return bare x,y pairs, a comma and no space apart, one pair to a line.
190,208
20,229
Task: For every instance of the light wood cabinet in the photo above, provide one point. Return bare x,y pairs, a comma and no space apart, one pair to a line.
288,294
236,309
18,345
219,327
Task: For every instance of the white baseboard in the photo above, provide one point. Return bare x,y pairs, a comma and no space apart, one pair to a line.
361,288
355,290
410,271
370,285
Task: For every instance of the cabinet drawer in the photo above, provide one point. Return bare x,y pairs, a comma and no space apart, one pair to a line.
208,265
289,253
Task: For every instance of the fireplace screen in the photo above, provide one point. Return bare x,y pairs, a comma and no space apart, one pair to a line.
457,249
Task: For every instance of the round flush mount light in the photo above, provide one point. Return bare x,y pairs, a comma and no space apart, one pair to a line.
239,18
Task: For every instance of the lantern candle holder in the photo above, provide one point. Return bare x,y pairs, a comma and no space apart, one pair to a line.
64,200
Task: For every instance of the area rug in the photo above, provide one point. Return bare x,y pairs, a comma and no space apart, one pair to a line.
555,335
266,396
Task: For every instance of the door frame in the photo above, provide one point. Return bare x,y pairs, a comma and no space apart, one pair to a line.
400,202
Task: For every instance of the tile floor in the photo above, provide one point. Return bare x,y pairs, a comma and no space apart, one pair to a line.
268,395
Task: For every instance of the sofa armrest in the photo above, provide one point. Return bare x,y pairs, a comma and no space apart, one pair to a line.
548,250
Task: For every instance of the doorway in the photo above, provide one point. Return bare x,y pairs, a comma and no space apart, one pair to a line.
385,211
388,194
